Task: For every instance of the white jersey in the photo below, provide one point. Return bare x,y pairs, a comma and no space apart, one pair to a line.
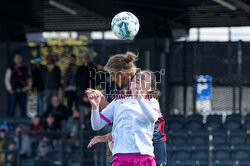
132,131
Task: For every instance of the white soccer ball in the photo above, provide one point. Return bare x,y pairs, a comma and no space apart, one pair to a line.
125,25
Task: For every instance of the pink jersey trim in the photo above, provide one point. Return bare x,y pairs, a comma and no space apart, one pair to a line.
118,98
147,98
157,111
104,118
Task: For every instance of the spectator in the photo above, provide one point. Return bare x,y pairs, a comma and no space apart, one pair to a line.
84,75
50,124
38,84
35,128
2,147
25,149
57,110
16,82
46,142
52,79
42,159
70,83
73,127
11,159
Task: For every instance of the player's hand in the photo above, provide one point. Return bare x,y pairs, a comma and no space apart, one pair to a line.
96,140
94,100
90,91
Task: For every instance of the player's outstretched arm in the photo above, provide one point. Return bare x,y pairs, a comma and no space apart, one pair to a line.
98,139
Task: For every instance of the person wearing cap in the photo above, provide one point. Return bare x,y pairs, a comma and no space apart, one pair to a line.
38,83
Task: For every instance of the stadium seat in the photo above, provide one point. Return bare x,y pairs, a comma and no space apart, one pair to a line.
183,152
214,122
194,122
247,122
185,162
175,122
27,162
178,137
240,152
170,152
221,152
199,136
233,122
219,136
237,136
201,162
226,162
244,162
200,152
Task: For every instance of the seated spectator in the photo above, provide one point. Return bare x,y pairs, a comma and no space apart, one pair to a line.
11,156
43,158
35,128
50,124
3,144
57,110
47,142
72,128
25,149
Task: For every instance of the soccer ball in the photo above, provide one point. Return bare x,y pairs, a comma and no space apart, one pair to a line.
125,25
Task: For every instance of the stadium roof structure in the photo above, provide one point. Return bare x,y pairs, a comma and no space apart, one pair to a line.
157,17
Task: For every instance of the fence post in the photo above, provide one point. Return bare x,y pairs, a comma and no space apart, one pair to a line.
82,126
239,73
19,148
184,69
210,147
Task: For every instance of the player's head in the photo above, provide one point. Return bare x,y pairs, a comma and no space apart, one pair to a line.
145,81
122,67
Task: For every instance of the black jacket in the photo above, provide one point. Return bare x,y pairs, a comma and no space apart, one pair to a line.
85,75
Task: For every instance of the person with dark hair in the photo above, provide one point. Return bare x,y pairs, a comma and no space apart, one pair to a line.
52,79
85,78
11,156
35,128
38,83
42,158
16,82
70,83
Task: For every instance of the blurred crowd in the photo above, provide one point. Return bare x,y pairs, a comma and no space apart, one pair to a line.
40,138
47,80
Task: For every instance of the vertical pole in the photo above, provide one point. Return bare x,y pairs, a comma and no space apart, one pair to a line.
184,80
168,81
194,76
19,148
239,52
163,81
147,59
82,126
